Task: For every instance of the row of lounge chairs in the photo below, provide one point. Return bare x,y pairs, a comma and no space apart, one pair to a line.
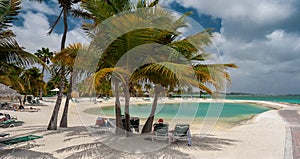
7,120
11,123
180,132
18,140
160,132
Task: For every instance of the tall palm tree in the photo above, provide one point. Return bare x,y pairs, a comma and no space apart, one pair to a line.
100,11
45,55
11,54
66,6
190,48
33,82
66,58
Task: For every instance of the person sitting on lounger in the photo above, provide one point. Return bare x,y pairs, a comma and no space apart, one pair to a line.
158,125
101,121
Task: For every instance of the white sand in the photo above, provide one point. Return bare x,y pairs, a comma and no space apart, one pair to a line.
262,137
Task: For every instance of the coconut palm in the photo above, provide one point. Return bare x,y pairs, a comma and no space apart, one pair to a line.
45,55
12,57
191,48
33,81
66,6
66,58
115,75
11,54
99,11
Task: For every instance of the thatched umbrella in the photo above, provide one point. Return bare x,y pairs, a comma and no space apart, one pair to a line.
7,93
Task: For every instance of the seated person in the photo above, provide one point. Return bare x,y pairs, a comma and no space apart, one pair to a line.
2,118
159,124
101,121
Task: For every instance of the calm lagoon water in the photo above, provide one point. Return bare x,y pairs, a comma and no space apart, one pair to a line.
230,111
272,98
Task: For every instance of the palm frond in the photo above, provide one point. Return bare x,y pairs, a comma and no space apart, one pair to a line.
8,11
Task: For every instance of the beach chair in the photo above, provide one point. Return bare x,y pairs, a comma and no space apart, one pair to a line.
19,140
180,132
161,132
4,134
134,123
104,123
11,123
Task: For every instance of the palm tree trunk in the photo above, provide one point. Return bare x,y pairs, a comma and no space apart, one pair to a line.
200,94
64,118
64,37
148,125
119,125
53,120
24,100
127,98
41,89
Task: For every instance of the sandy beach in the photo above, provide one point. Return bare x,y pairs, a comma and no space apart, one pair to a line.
264,136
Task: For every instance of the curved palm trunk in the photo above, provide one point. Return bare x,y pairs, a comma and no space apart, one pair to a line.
24,100
41,89
147,128
127,116
53,120
119,125
64,118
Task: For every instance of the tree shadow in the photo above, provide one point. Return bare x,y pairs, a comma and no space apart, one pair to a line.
69,133
208,143
97,149
100,150
24,154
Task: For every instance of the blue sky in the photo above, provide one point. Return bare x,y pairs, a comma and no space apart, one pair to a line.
261,36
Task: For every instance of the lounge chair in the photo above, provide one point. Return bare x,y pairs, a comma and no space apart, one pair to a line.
180,132
4,134
161,132
11,123
18,140
134,123
104,123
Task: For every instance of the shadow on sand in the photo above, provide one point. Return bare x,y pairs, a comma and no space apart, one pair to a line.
97,149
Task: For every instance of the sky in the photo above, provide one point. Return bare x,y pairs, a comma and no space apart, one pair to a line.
262,37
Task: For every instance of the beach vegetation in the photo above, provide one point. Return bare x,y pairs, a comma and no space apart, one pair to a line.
13,57
45,55
66,6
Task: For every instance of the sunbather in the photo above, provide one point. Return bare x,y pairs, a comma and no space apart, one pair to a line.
101,121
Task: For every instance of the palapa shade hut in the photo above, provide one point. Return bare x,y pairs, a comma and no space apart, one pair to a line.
8,94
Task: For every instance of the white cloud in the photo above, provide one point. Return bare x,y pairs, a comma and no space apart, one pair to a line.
260,37
33,34
39,7
266,65
258,11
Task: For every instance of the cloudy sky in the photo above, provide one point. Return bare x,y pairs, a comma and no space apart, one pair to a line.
261,36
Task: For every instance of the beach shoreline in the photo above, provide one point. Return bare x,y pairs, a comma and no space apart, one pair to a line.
248,137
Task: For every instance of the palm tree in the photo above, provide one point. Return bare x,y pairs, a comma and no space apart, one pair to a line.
115,75
66,6
100,11
11,54
12,57
66,58
33,81
45,55
190,48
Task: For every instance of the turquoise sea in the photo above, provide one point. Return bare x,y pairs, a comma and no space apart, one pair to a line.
233,112
229,112
293,98
274,98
